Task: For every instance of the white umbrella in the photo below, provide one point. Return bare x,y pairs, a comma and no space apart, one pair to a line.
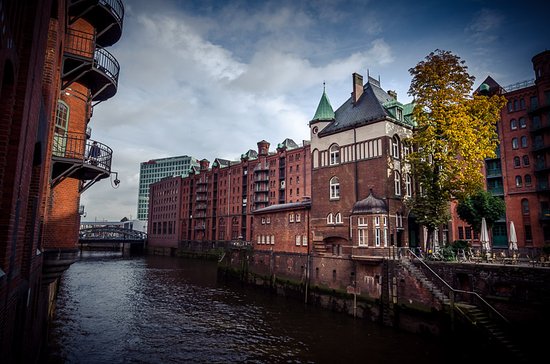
484,237
436,239
513,237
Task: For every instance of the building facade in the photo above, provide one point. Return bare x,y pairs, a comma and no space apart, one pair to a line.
218,202
358,158
54,68
520,171
156,169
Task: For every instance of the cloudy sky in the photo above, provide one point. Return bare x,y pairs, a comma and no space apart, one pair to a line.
210,79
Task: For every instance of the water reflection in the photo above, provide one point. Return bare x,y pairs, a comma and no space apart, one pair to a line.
171,310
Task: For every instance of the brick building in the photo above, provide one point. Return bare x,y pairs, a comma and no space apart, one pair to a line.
358,153
520,172
54,68
218,202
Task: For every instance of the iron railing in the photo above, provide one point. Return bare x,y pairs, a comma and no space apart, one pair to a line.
77,146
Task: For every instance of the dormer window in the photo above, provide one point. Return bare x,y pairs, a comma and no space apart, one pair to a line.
399,113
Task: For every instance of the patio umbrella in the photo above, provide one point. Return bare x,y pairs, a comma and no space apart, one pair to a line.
484,237
436,239
513,237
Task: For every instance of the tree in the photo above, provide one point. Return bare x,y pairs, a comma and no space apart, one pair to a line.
481,204
455,131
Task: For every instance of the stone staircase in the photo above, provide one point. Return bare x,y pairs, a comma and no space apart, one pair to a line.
496,331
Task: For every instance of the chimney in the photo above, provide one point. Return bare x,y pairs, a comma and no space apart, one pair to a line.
393,94
263,147
204,164
357,87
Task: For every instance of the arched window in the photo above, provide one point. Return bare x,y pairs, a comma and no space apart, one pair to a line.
525,160
395,147
397,182
517,162
408,185
338,219
525,206
330,219
519,183
522,123
514,143
513,124
334,154
61,127
334,188
528,180
524,141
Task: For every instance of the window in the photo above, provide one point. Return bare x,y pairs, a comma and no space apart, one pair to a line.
377,230
362,232
263,220
519,183
268,220
362,237
525,160
513,124
61,126
524,141
298,239
334,188
395,147
304,240
528,180
298,218
522,103
291,217
334,154
338,219
408,185
330,219
514,143
517,162
522,123
525,206
397,181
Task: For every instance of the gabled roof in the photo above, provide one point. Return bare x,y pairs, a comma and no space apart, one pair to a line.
324,109
221,163
368,108
288,144
251,154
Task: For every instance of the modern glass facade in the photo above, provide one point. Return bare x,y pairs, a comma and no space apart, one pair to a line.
157,169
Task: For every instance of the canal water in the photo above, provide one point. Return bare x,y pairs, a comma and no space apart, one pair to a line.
153,309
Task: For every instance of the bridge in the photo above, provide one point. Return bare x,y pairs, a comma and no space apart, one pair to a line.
111,236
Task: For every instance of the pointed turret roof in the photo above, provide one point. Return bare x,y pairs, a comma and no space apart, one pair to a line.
324,109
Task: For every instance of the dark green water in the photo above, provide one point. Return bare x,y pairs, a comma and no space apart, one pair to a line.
172,310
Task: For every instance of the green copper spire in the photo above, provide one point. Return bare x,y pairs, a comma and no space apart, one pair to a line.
324,109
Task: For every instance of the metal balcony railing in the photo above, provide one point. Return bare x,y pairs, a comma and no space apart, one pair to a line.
105,15
95,67
76,156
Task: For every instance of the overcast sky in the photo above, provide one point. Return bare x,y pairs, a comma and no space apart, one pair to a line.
210,79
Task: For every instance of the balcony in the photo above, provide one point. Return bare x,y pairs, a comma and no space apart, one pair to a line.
105,15
76,156
95,68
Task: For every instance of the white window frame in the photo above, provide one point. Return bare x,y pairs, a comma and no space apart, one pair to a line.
397,182
298,240
330,219
334,185
395,147
334,152
338,218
